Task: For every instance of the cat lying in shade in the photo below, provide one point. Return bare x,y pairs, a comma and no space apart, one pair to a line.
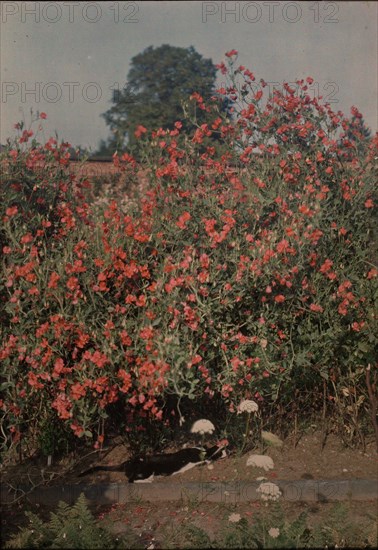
143,469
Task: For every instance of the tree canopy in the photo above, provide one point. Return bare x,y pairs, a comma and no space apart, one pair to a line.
158,82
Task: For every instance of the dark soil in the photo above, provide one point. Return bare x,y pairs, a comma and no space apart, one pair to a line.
161,527
305,460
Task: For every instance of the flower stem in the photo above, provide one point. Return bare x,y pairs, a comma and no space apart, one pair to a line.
246,432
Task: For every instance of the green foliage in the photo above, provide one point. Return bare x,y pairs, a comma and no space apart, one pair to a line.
338,529
239,536
69,527
357,136
195,537
270,529
53,436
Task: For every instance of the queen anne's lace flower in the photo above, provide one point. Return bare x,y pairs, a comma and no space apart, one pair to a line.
269,491
248,406
234,518
203,426
274,532
260,461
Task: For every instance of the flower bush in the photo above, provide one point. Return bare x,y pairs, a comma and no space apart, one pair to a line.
237,275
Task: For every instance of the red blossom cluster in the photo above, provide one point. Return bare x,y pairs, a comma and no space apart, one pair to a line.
226,282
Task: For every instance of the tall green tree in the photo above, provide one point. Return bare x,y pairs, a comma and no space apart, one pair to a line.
159,81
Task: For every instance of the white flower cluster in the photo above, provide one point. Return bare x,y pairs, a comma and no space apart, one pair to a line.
269,491
248,406
202,426
260,461
234,518
274,532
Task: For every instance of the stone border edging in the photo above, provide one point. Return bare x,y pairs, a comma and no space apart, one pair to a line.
225,492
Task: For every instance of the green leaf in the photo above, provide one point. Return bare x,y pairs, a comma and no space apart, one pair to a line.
363,346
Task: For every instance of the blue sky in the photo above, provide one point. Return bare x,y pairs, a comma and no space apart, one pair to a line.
64,58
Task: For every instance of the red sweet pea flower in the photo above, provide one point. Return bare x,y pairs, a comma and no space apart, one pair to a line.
140,131
183,219
249,74
128,158
11,211
222,67
231,53
78,391
147,333
72,283
78,430
27,238
33,381
326,266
